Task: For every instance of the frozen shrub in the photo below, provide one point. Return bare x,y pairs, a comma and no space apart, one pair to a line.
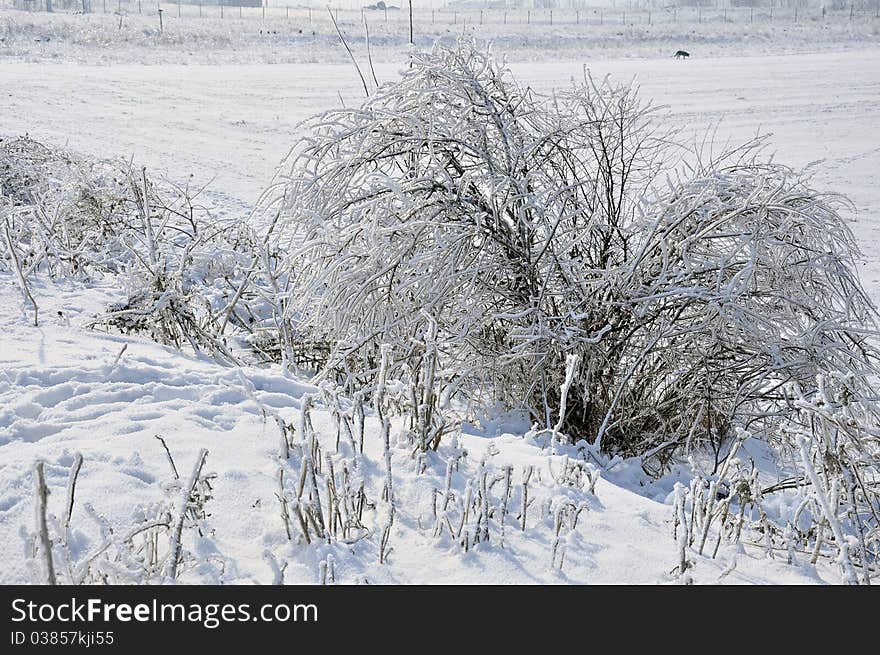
452,216
482,234
70,213
190,279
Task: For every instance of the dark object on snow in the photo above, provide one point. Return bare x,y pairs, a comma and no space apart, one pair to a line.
681,54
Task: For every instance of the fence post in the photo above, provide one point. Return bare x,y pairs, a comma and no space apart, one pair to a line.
139,6
649,18
221,10
577,17
850,13
411,41
528,17
481,16
551,16
752,15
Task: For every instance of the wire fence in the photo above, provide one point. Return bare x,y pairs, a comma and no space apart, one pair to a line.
446,16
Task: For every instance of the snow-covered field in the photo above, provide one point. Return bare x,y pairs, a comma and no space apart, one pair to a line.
65,389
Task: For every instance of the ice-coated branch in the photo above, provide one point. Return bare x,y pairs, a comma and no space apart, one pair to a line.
186,496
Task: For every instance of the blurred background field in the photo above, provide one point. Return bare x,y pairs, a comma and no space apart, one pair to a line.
141,31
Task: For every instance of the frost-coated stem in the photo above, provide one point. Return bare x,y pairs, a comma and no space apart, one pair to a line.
527,475
282,498
284,443
168,455
360,419
379,398
696,488
388,490
308,443
427,404
849,573
709,515
820,540
148,221
277,571
597,443
447,485
571,362
71,492
42,526
185,497
16,264
683,537
725,509
386,536
483,534
508,474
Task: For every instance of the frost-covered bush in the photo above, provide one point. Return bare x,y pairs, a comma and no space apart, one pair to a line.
482,234
190,279
451,216
70,214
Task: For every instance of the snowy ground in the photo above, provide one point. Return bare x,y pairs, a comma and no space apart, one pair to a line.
62,389
62,393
